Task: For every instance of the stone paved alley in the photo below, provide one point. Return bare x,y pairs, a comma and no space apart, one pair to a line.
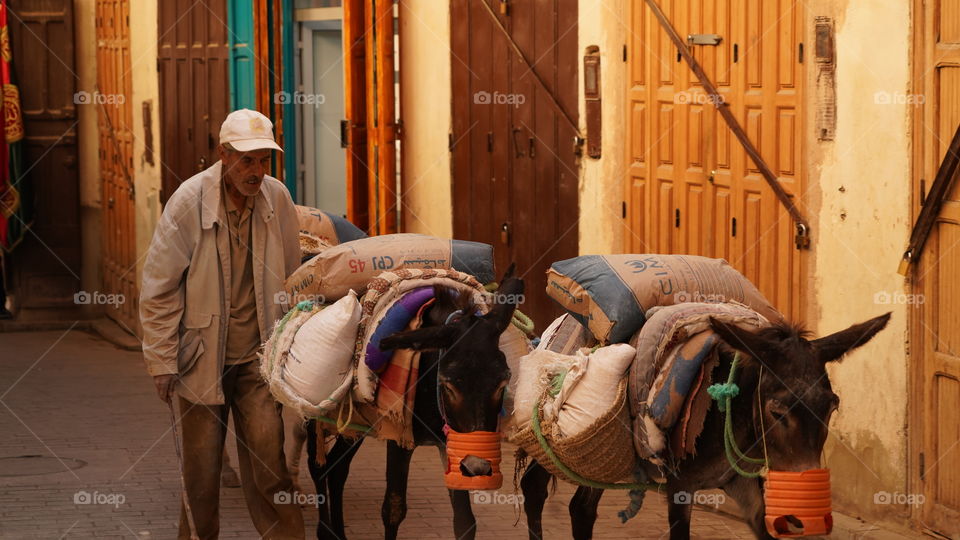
90,410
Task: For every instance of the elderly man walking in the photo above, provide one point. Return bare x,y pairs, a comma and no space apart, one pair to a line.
226,242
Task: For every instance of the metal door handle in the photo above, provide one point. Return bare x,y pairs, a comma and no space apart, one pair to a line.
517,149
202,164
505,233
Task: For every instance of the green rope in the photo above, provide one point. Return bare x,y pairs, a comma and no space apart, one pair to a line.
723,393
569,473
521,321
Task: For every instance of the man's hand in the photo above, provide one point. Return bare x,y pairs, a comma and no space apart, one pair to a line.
165,384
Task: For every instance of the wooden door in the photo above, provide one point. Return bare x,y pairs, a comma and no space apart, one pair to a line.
115,119
936,373
47,264
690,187
194,64
515,171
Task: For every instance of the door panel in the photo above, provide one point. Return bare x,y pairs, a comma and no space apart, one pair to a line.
707,197
115,120
46,265
515,176
936,321
193,61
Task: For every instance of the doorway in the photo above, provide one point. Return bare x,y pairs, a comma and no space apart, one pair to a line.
515,169
321,109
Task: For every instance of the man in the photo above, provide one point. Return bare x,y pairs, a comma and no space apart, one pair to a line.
225,243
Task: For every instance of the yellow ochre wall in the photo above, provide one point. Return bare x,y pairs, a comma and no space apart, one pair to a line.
859,203
427,117
146,89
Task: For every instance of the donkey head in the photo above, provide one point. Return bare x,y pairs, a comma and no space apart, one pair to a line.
793,401
473,373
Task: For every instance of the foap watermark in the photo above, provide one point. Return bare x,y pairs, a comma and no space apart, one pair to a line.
97,298
703,499
495,497
111,499
299,98
86,98
898,98
886,298
512,299
682,297
301,499
284,298
911,499
486,98
697,98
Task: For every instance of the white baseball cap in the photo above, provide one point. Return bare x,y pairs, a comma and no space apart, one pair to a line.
247,131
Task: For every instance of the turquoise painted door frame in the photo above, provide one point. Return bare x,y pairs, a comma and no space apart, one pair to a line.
291,163
242,75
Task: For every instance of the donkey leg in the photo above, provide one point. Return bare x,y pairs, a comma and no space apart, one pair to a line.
338,464
320,474
534,485
679,510
394,507
749,496
464,522
583,511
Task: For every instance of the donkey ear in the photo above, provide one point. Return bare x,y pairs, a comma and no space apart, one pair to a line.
738,338
507,297
421,339
834,346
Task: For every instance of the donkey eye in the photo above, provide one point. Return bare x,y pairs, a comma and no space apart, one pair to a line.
777,410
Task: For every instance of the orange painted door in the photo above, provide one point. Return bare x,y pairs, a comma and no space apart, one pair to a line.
938,275
115,120
690,187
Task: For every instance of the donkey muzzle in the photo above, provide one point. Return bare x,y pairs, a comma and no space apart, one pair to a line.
473,460
798,503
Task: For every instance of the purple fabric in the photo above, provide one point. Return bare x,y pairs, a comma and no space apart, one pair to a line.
397,318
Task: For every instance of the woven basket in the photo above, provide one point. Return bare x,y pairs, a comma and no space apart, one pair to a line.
601,453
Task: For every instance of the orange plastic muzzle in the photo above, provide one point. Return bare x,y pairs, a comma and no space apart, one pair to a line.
804,495
484,445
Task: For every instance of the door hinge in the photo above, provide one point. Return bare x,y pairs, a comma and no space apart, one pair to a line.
450,142
623,209
800,52
624,52
676,217
922,466
923,191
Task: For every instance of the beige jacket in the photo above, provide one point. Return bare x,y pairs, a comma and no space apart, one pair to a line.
185,292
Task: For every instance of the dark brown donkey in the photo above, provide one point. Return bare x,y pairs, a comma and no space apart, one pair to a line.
784,387
461,354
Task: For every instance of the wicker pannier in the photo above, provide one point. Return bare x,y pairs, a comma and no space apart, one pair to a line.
602,453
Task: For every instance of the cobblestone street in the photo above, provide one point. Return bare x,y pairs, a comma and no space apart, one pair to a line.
109,469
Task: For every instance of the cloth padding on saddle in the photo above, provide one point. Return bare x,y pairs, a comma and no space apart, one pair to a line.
676,354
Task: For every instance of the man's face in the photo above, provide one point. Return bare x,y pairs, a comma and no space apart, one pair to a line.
244,171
